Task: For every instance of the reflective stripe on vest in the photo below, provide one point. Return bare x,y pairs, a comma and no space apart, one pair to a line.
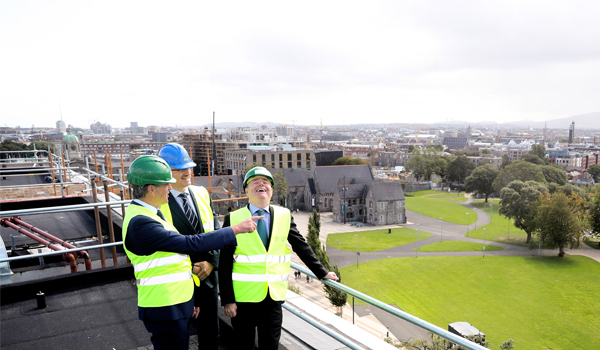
163,278
259,278
256,270
159,262
202,199
170,278
244,259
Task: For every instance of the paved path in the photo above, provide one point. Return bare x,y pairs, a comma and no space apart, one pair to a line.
373,319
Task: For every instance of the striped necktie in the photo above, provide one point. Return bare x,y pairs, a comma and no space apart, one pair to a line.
261,228
189,213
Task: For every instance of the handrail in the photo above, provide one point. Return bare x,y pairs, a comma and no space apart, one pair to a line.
322,328
396,312
59,209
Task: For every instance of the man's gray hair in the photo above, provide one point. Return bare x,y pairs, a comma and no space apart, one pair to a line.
139,192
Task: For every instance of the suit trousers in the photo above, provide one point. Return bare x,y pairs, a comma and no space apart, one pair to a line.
265,317
169,334
207,323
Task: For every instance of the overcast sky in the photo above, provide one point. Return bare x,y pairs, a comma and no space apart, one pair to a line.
302,62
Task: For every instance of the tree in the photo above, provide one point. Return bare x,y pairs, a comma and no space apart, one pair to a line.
42,145
538,150
460,168
505,161
349,161
532,158
507,345
554,174
594,170
410,148
486,151
281,186
440,166
336,297
481,180
520,170
595,212
439,148
517,202
557,224
419,166
8,145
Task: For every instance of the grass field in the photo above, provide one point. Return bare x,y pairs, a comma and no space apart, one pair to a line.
500,229
440,208
541,303
456,246
371,241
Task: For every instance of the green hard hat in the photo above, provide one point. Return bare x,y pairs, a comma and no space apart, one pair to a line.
258,171
150,170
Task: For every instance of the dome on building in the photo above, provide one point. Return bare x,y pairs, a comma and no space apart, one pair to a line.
70,137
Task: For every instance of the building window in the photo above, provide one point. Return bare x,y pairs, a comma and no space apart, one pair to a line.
280,157
381,219
299,164
381,205
289,156
307,165
370,204
307,156
254,158
298,156
280,165
289,164
264,158
273,158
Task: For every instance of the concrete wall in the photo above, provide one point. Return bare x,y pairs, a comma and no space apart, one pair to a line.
30,192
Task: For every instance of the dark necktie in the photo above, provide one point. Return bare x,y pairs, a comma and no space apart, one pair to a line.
261,228
189,213
160,215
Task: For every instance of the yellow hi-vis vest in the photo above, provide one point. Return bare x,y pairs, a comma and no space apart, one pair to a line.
202,198
256,270
162,278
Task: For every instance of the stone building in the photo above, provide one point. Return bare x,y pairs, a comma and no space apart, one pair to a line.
71,146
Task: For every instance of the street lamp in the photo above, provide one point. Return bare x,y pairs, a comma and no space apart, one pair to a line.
357,252
441,230
484,242
491,212
467,224
507,230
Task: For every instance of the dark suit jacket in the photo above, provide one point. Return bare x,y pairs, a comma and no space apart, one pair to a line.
299,246
183,225
145,236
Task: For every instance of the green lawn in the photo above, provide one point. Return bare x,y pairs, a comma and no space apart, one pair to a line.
441,208
500,229
541,303
456,246
370,241
438,194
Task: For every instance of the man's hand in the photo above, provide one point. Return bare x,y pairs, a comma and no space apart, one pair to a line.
231,310
331,276
202,269
246,226
196,312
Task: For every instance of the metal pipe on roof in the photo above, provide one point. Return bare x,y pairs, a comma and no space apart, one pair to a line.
111,231
69,257
24,257
83,254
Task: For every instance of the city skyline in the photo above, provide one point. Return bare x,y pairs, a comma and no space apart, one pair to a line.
280,63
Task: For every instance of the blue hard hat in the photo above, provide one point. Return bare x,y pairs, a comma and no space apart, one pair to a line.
176,156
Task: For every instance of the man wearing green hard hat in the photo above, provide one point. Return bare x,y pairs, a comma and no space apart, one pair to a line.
160,255
253,276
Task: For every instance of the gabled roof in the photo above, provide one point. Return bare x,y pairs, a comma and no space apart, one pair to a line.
387,191
295,176
328,176
354,191
236,181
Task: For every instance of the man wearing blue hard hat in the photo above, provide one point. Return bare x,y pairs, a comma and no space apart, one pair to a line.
253,276
191,211
159,254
